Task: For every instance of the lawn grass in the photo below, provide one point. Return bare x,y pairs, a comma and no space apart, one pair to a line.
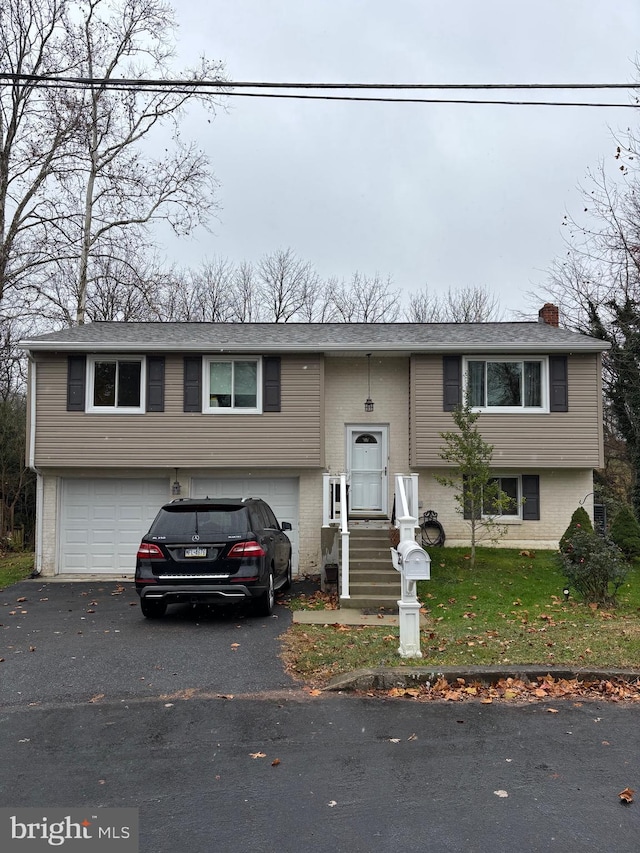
508,609
14,567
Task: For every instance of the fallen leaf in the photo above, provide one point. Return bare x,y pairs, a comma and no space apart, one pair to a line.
414,736
235,646
315,692
553,711
97,697
626,796
225,695
501,793
332,803
394,740
258,754
22,598
275,762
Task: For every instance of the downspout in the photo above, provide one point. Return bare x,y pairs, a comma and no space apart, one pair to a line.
31,462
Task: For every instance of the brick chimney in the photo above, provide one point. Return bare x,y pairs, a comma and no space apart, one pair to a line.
549,314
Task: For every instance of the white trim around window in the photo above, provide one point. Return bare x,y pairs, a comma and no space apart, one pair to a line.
510,484
116,384
232,385
522,377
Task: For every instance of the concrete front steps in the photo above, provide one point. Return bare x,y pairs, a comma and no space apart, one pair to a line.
373,582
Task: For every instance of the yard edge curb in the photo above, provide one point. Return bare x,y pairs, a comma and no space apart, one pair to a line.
386,678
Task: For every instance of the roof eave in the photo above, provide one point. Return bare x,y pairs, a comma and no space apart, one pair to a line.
585,345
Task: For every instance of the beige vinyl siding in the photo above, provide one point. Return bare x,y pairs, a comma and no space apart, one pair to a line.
570,439
290,438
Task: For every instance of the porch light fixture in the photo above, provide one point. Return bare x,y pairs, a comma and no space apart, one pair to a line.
176,487
368,404
565,592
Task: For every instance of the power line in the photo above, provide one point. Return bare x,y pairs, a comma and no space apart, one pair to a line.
239,84
222,88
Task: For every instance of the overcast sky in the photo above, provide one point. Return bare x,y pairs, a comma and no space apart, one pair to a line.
442,195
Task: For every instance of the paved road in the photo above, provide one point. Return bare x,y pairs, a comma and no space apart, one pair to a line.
354,774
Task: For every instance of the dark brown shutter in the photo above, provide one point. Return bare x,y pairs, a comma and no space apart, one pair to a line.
193,383
531,495
76,382
155,383
451,382
558,384
271,397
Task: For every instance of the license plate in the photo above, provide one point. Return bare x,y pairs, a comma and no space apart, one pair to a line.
195,552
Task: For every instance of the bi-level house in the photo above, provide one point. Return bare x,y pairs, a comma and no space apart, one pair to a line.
125,416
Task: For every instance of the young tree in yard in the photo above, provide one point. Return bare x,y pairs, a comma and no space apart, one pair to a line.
478,495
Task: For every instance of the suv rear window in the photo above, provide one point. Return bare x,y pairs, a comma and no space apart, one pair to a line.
203,521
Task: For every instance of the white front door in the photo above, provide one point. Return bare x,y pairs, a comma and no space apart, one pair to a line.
367,452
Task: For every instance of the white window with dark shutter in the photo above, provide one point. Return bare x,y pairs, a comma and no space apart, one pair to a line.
507,384
232,385
116,384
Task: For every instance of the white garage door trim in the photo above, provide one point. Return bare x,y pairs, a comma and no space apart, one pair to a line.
281,493
102,521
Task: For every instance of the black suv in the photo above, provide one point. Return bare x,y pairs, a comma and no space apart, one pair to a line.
213,551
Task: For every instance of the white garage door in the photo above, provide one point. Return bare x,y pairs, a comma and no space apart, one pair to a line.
281,493
102,522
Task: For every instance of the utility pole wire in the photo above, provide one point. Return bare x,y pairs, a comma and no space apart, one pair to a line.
221,90
245,84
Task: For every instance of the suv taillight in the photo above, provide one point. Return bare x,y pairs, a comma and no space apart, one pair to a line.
146,551
244,550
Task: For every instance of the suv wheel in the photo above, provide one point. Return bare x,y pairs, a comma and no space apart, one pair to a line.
152,609
267,599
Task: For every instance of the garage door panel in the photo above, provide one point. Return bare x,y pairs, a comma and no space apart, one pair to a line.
281,493
103,520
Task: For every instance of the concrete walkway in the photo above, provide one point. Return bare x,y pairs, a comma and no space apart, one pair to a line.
346,616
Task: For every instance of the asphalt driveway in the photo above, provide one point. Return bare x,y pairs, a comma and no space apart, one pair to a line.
81,640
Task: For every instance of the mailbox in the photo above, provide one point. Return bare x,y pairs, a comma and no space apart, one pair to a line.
412,560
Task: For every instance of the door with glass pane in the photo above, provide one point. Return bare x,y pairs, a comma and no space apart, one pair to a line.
367,448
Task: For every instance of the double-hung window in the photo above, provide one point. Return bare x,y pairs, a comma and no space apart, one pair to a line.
115,384
507,384
509,505
233,385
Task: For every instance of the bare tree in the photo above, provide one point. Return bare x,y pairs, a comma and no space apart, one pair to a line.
206,294
244,295
366,299
597,287
459,305
285,282
36,127
122,187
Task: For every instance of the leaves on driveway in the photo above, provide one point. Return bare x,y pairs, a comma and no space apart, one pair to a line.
626,796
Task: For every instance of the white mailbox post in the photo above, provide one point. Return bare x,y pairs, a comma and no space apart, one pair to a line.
414,564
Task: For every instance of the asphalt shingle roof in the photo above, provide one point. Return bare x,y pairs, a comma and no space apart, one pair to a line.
315,337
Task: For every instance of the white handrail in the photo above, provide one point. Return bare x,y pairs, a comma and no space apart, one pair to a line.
330,500
344,533
406,506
